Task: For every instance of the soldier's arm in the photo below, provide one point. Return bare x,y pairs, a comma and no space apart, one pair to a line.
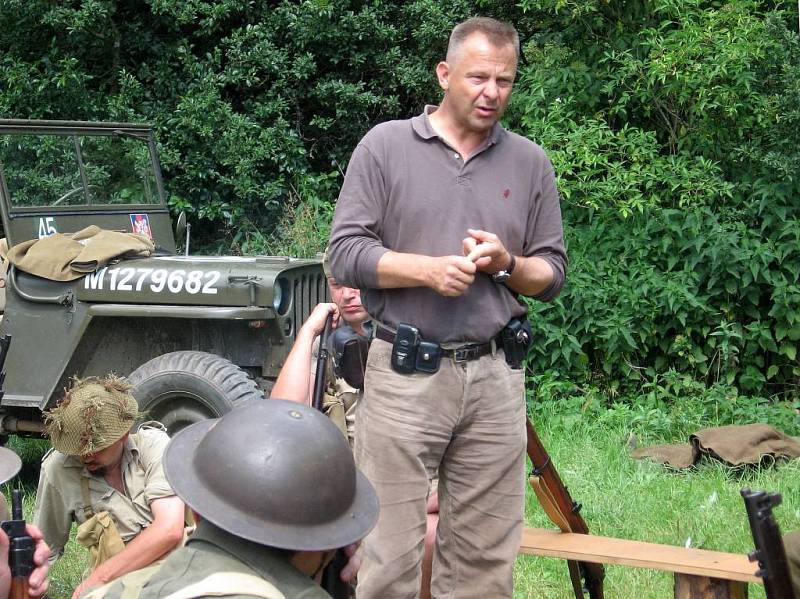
295,381
165,532
51,515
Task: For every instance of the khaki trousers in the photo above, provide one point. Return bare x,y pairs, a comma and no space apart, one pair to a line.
468,422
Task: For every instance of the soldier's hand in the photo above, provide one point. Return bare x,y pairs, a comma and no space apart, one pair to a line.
451,276
349,572
38,581
486,251
315,322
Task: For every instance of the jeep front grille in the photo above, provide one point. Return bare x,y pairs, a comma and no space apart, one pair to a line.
309,289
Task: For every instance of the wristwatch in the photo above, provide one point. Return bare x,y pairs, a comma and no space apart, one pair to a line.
501,276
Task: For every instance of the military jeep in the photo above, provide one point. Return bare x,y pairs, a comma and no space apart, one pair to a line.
195,334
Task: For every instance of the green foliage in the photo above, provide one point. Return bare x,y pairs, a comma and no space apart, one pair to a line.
672,126
672,129
676,289
253,102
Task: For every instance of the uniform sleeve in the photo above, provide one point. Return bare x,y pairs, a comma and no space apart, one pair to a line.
152,444
51,513
544,236
355,245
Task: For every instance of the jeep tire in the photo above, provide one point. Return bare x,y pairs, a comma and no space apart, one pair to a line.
184,387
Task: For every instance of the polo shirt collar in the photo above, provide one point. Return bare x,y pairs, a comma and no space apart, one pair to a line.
422,127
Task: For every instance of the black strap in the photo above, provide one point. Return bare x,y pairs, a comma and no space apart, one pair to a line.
464,353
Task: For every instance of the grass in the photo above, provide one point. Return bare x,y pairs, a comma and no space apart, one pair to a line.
630,499
621,498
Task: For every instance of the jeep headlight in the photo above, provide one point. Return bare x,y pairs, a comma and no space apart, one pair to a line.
280,296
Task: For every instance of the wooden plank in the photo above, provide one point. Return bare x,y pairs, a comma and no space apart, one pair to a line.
637,554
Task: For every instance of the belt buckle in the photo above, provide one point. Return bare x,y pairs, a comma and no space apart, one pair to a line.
464,354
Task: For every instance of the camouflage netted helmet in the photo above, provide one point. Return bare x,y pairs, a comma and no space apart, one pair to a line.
326,263
274,472
94,414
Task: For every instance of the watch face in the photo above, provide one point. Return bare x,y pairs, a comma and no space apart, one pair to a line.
501,276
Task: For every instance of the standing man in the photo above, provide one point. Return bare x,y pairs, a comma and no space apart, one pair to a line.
442,221
108,480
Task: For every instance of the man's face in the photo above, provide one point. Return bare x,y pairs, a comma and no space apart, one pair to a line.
99,462
478,82
349,302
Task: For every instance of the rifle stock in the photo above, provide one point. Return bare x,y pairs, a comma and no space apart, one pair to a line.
322,365
564,512
20,544
331,579
20,550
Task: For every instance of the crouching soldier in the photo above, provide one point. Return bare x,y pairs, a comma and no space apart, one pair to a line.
108,480
274,490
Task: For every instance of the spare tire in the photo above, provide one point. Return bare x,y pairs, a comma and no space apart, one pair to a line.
184,387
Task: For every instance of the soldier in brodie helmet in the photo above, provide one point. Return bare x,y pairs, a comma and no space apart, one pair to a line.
296,382
108,480
275,491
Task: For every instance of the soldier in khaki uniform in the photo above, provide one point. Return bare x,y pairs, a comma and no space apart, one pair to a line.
296,379
275,490
108,480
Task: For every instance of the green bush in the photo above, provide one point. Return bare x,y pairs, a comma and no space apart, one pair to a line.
672,125
672,129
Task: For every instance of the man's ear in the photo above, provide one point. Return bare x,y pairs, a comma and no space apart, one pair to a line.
443,75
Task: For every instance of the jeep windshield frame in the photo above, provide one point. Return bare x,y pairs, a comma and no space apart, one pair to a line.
76,169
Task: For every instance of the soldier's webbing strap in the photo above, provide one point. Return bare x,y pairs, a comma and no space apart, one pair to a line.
88,512
98,533
558,518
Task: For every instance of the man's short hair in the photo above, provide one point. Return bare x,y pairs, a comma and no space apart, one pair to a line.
497,32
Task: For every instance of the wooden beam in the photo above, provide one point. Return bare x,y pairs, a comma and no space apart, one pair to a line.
637,554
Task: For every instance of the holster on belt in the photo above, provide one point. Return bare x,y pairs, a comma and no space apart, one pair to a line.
99,534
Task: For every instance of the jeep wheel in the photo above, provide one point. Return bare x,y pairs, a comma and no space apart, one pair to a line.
184,387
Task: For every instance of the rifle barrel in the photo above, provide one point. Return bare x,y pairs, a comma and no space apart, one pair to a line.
592,574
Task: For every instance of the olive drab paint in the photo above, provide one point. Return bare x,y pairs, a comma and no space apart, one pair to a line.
59,177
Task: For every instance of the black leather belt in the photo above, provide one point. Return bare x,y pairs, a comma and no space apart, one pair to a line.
465,353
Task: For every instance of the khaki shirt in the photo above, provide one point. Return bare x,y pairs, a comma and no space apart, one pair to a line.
338,388
59,500
208,551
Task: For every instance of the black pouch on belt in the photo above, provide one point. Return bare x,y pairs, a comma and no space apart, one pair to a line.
428,357
515,339
404,348
349,352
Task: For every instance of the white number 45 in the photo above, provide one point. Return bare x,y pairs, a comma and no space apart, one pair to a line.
47,226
